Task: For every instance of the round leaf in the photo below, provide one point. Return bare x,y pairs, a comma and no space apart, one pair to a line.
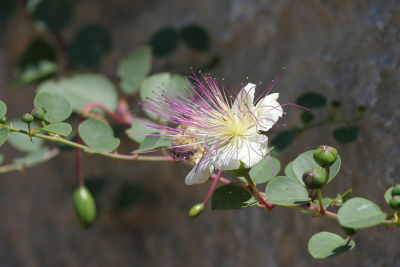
57,107
98,136
345,135
3,108
134,68
311,100
152,143
61,128
4,133
305,162
229,197
196,37
360,213
107,145
324,244
84,89
139,130
289,170
89,45
21,141
286,191
164,41
263,171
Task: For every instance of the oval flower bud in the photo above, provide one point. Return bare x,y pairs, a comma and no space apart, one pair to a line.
3,120
325,156
196,210
38,114
396,190
27,118
314,179
394,203
85,207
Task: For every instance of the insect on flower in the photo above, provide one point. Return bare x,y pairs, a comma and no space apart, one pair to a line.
211,128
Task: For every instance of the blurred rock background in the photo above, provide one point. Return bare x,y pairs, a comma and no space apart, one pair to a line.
347,50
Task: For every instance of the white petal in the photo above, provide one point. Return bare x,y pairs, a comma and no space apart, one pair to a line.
227,157
245,99
268,111
199,174
253,150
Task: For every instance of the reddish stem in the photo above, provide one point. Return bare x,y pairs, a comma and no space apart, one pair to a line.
124,118
78,160
216,179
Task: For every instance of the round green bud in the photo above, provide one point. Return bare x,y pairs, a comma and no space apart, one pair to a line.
3,120
394,203
85,207
306,117
314,179
38,114
396,190
196,210
27,118
325,156
349,231
335,103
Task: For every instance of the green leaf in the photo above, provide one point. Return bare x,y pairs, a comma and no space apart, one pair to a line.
139,130
36,62
4,133
128,195
285,191
311,100
360,213
7,8
289,170
21,141
388,194
52,15
134,68
57,107
262,171
157,83
229,197
305,162
35,157
196,37
326,201
164,41
345,135
152,143
98,135
83,89
89,45
3,108
282,140
61,128
324,244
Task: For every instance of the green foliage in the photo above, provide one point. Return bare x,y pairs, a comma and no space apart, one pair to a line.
85,207
324,244
52,15
134,68
34,157
61,128
285,191
98,135
139,130
305,162
311,100
57,107
152,143
229,197
326,201
89,45
262,171
83,89
7,8
345,135
283,140
128,195
3,108
195,37
164,41
360,213
4,133
21,141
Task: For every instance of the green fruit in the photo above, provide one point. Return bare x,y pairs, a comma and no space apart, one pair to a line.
196,210
38,114
349,231
394,203
27,118
85,207
3,120
325,156
396,190
314,179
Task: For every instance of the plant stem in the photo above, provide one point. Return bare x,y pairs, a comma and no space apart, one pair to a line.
211,190
257,194
321,204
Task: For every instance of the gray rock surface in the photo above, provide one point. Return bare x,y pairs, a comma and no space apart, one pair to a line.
348,50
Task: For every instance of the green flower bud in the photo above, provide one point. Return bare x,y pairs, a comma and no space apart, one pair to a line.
196,210
394,203
325,156
27,118
349,231
3,120
396,190
306,117
314,179
38,114
85,207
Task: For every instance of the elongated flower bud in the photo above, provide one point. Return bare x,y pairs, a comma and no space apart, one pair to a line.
196,210
85,207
